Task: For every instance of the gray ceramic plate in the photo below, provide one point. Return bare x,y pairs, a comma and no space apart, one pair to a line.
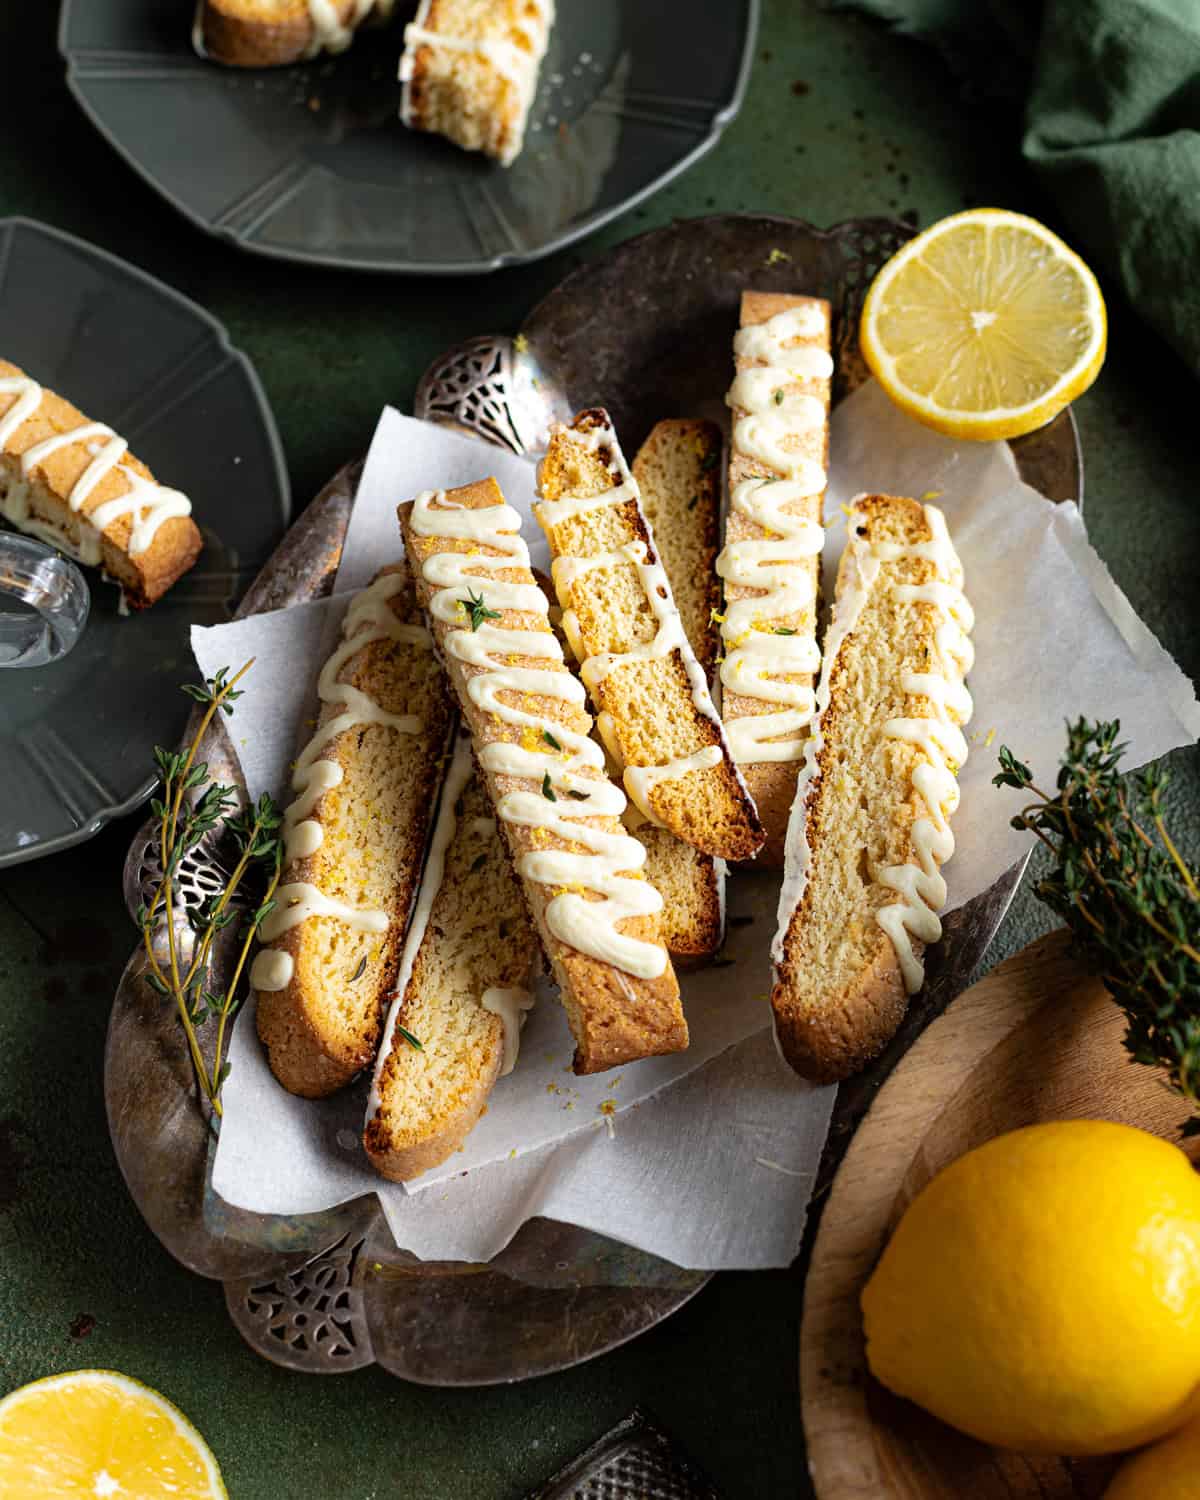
76,737
311,163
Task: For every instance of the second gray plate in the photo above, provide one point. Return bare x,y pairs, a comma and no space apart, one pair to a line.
311,163
77,736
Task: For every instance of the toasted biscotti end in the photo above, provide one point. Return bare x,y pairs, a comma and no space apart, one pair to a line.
466,95
616,1016
321,1025
255,33
274,33
678,470
38,500
477,946
692,887
852,1027
842,979
759,307
655,708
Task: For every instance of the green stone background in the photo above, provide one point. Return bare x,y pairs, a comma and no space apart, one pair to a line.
840,119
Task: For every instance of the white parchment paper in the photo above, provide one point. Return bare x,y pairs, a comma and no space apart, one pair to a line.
713,1171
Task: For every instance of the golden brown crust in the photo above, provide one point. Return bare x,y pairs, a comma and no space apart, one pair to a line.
177,542
235,35
649,702
403,1163
691,516
772,784
854,1021
311,1051
615,1017
854,1027
477,938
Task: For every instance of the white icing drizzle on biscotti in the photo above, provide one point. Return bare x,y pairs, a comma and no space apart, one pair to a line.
919,884
332,33
516,64
576,767
148,503
640,781
369,618
669,635
758,657
444,828
511,1005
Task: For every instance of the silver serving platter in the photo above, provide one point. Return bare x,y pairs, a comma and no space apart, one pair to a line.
331,1291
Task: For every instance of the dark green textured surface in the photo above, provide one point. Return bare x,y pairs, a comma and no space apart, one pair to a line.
840,120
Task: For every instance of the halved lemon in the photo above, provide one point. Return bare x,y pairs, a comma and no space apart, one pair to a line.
985,326
96,1433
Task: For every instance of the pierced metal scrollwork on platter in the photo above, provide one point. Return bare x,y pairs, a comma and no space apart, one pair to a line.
469,387
494,389
310,1319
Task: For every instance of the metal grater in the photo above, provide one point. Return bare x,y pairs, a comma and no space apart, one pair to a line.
635,1460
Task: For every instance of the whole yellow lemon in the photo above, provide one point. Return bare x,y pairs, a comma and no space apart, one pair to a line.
1170,1470
1043,1292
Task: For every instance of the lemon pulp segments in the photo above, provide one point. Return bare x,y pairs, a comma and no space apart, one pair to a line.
984,326
97,1433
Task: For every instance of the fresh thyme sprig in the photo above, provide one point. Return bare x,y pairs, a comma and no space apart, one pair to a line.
254,835
476,607
1125,891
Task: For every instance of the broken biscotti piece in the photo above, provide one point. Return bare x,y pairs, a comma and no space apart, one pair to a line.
773,536
870,827
678,470
470,70
655,712
560,815
271,33
354,838
74,483
461,993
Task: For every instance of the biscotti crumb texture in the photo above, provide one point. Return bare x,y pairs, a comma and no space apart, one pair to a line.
654,708
773,536
678,474
870,829
355,836
454,1027
72,482
470,70
678,471
559,813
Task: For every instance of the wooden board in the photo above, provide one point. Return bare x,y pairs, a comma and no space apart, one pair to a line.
1037,1039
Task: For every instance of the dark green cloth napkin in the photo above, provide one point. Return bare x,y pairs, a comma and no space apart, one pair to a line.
1111,96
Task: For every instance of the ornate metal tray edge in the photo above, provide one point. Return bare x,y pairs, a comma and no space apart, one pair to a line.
331,1292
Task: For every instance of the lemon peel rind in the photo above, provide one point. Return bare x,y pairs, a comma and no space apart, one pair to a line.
130,1386
997,422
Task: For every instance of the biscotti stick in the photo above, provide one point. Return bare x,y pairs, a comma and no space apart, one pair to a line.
74,483
454,1026
870,827
654,709
354,838
597,917
773,538
678,470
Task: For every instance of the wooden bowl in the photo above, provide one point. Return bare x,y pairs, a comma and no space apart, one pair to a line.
1037,1039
